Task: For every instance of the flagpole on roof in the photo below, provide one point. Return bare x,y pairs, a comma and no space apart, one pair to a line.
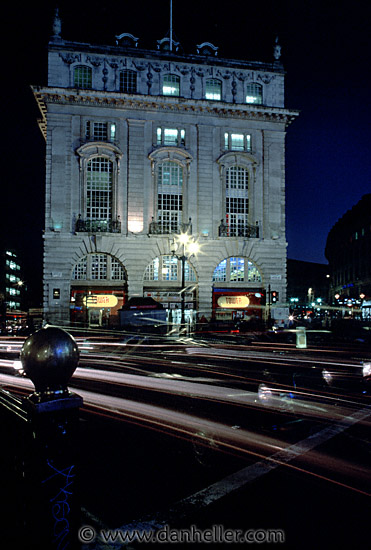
171,25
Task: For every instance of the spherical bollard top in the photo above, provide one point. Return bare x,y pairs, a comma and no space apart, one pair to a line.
50,357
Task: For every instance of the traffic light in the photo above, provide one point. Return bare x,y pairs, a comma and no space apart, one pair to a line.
274,296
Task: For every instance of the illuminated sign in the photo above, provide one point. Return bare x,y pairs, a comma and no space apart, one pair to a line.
100,300
233,301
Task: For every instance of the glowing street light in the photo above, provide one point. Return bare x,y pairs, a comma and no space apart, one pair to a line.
189,248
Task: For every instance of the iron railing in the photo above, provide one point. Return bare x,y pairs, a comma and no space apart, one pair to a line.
98,226
163,228
244,231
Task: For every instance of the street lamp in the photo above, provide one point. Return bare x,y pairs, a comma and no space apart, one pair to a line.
189,247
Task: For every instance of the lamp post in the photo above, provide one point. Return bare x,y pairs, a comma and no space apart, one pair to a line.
189,247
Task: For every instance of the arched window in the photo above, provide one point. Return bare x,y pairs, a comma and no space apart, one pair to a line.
213,89
237,270
98,267
254,93
82,77
169,268
171,85
128,81
169,196
236,200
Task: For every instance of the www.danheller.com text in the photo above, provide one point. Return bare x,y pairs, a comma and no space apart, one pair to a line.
215,534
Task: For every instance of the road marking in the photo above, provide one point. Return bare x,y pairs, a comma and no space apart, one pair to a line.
233,482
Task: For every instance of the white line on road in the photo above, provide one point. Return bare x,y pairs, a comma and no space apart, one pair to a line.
238,480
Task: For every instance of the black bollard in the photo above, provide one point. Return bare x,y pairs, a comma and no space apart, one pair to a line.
44,439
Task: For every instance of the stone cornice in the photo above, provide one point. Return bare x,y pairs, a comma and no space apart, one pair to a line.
64,96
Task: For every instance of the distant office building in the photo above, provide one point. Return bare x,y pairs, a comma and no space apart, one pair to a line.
348,250
143,146
11,288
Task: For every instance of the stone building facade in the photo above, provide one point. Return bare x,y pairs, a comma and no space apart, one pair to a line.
145,145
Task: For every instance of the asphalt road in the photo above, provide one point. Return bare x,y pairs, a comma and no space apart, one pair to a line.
254,436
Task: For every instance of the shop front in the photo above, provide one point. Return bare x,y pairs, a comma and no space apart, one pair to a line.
172,302
232,305
96,307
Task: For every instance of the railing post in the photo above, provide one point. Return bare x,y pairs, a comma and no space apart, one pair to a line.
45,443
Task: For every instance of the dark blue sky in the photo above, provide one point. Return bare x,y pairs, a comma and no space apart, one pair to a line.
325,51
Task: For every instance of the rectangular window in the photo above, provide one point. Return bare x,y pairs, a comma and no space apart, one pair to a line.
254,93
82,77
100,131
237,142
171,85
169,269
237,267
80,270
169,196
237,202
213,89
170,136
99,189
128,81
99,266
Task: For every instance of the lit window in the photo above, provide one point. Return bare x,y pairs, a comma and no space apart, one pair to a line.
237,142
170,136
236,270
99,189
171,270
169,196
220,273
128,81
82,77
237,201
213,89
254,93
99,267
101,131
171,85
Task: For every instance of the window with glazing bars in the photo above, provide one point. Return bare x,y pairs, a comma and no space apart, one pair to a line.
117,270
220,273
237,269
213,89
99,189
169,269
82,77
254,93
171,85
237,202
101,131
169,196
152,270
237,142
80,270
128,81
98,266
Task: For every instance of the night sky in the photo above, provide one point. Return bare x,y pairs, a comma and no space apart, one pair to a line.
325,52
